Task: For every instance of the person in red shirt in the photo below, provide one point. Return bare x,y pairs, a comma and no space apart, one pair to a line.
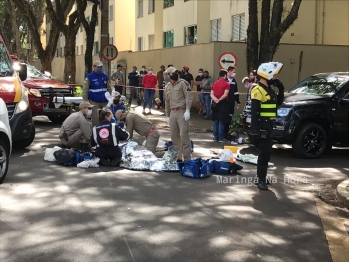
220,106
149,82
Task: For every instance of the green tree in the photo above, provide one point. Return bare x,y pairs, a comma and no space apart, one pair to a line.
69,30
90,28
275,21
33,12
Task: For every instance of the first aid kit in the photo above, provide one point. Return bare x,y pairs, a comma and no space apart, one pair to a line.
197,168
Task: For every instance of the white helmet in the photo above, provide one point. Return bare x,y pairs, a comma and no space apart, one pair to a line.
268,70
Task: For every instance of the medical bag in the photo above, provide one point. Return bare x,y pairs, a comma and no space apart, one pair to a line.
197,168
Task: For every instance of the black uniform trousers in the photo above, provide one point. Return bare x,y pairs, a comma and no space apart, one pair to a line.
265,146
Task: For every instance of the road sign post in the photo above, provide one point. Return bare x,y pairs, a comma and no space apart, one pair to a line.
227,59
110,52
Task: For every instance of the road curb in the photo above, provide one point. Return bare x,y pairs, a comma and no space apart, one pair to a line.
342,193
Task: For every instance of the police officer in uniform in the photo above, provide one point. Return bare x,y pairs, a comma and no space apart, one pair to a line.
264,103
94,88
106,137
178,101
142,125
76,130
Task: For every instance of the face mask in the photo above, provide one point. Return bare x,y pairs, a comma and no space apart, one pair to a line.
200,74
116,101
150,72
89,112
233,74
99,70
174,77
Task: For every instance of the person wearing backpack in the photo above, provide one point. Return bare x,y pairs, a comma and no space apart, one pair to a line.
106,137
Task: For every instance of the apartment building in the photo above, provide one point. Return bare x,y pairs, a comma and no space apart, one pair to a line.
171,23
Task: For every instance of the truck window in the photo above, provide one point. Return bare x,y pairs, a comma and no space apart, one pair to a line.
5,62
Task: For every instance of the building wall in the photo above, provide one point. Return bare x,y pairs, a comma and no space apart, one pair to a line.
176,17
336,59
224,10
319,22
124,22
144,26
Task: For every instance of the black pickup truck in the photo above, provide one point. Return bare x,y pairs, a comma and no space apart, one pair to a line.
315,115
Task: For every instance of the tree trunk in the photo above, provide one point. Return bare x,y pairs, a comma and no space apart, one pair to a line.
90,38
69,54
90,28
252,37
272,30
46,62
11,10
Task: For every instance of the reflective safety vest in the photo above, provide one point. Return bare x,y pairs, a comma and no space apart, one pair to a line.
268,108
104,135
268,99
98,87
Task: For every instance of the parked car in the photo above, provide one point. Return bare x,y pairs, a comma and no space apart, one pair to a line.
315,115
47,96
15,96
5,140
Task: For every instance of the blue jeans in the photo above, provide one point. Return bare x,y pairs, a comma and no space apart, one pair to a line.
148,97
207,103
218,130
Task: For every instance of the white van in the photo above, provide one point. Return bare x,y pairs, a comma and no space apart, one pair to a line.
5,140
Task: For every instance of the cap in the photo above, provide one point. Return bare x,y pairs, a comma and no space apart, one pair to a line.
186,68
118,114
97,63
85,104
245,79
170,70
116,93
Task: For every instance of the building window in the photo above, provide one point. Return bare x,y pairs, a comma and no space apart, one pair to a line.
168,3
140,43
57,52
216,30
151,42
151,7
140,8
81,27
88,19
239,32
111,13
82,49
168,39
190,35
95,48
111,40
77,50
96,20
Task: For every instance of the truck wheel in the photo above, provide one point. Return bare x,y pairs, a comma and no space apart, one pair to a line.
4,160
311,141
25,142
57,119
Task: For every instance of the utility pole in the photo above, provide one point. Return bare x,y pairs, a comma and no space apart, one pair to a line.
104,33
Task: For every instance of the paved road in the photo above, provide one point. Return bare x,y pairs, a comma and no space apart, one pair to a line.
54,213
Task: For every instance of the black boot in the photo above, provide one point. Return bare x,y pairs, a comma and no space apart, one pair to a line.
262,174
115,161
104,162
262,184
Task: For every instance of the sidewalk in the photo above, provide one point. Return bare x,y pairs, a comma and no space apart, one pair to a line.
342,193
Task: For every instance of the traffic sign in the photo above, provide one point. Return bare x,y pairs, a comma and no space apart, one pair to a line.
227,59
110,52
